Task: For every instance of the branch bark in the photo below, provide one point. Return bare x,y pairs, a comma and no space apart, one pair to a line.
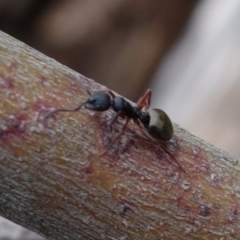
54,182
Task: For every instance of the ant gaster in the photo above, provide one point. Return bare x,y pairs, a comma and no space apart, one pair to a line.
154,123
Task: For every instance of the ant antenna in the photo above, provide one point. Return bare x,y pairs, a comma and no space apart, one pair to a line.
65,110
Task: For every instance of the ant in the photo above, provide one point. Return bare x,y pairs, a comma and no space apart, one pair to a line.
154,123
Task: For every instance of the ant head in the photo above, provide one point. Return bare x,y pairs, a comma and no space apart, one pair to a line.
99,101
159,125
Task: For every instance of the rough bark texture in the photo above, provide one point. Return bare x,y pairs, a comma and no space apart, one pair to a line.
54,182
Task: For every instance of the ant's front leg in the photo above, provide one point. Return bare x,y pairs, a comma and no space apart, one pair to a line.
119,114
116,138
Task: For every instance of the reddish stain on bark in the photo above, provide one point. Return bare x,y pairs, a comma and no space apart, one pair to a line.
233,214
87,169
183,205
42,79
6,82
15,125
74,86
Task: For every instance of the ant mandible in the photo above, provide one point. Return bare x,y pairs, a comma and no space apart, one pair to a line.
154,123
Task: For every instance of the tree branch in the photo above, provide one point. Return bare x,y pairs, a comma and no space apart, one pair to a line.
54,182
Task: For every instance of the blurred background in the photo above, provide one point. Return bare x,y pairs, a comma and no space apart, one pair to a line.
186,51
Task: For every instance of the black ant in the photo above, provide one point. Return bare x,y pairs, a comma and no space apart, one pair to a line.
154,123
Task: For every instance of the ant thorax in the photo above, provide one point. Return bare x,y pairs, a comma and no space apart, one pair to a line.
120,104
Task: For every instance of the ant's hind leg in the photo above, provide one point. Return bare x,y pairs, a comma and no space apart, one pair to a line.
171,155
145,100
158,142
119,114
144,131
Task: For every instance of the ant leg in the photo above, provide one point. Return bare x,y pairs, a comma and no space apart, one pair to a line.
145,100
155,140
144,131
116,138
64,110
114,119
170,154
